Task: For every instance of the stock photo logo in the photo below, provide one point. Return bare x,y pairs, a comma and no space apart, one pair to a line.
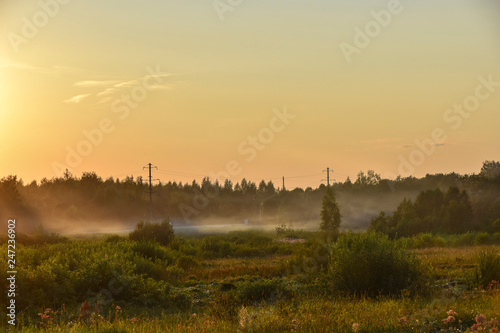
131,94
249,166
248,148
31,26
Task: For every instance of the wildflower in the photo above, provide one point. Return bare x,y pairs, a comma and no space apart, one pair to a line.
493,330
448,320
85,311
480,319
134,320
355,327
403,320
452,313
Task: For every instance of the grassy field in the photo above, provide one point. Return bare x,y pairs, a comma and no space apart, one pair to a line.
242,282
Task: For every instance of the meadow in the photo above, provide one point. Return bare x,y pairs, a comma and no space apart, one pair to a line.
251,281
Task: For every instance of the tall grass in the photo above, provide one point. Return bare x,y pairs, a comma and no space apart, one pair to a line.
179,288
488,269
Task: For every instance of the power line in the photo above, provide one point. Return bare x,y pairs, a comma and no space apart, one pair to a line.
179,173
327,176
150,166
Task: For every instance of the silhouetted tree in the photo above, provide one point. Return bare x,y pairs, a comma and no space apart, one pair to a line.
490,169
330,212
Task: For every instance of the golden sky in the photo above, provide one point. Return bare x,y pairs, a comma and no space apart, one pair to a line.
255,89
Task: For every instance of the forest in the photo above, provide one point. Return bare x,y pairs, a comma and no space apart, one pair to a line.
432,203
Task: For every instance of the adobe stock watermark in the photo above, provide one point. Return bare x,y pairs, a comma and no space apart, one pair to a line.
115,286
249,149
454,118
224,6
122,107
363,37
39,20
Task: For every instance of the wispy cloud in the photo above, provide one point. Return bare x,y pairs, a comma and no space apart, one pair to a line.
76,99
96,89
94,83
53,70
107,90
125,84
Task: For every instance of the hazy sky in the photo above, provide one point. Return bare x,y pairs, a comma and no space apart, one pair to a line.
258,89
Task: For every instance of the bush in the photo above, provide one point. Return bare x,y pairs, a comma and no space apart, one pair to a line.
371,264
162,233
482,238
153,250
488,268
186,262
113,238
426,240
466,239
216,246
260,290
149,292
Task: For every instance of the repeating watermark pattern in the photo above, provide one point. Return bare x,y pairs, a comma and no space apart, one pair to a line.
122,107
224,6
363,37
11,272
248,148
32,26
115,286
454,118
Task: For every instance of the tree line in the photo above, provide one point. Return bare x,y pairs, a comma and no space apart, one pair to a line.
448,202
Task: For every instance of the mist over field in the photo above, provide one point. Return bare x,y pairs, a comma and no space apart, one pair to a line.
89,204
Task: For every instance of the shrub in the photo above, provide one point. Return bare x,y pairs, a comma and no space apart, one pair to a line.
150,269
162,233
466,239
153,250
310,261
371,264
149,292
113,238
488,268
260,290
427,240
482,238
186,262
215,246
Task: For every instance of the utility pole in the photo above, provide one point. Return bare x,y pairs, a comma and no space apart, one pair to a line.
284,184
327,176
150,166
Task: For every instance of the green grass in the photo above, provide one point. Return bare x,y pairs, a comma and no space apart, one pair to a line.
260,284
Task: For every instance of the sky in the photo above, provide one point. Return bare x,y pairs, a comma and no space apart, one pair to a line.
248,89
